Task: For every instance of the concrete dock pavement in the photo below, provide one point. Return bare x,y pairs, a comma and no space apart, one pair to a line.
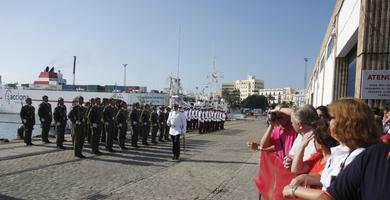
213,166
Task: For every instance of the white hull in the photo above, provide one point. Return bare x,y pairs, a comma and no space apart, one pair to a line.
11,100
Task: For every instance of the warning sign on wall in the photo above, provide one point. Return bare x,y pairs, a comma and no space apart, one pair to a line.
376,84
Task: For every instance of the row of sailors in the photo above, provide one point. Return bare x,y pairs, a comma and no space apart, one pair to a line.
107,120
205,114
205,119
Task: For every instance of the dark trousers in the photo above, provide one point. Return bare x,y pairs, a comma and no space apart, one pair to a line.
88,133
206,127
109,135
135,135
145,134
188,125
223,125
201,127
45,131
193,124
103,133
162,130
122,135
60,134
176,146
27,134
154,133
166,133
79,137
116,133
95,138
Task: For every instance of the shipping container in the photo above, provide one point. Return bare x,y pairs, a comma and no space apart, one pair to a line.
101,88
11,85
67,87
92,88
120,88
110,88
80,87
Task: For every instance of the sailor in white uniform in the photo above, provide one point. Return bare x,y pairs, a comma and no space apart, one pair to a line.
177,122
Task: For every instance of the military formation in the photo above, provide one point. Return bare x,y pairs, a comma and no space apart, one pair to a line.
107,121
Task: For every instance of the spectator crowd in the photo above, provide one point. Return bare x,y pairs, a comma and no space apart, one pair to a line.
338,151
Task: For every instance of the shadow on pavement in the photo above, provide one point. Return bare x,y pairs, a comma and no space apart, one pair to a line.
126,162
39,167
54,149
2,196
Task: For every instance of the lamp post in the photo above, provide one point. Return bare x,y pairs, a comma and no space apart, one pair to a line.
124,75
304,83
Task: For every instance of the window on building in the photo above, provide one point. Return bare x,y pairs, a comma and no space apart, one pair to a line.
351,74
329,47
322,64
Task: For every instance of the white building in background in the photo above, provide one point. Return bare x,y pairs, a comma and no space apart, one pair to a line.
299,97
278,95
249,87
228,87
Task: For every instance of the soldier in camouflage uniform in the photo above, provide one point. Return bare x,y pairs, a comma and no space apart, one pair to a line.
167,127
88,105
145,122
96,125
78,117
109,123
102,106
154,121
45,116
60,119
27,114
135,126
117,107
162,122
121,118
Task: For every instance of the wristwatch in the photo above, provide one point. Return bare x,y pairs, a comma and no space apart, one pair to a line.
293,189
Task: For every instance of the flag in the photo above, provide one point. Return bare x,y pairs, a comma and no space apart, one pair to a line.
272,177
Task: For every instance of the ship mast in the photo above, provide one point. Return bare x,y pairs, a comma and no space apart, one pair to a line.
214,76
174,83
178,52
178,61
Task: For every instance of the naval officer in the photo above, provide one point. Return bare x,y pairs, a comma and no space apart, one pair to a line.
177,122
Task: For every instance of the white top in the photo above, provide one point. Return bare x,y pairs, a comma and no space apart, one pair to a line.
339,154
177,122
206,116
309,150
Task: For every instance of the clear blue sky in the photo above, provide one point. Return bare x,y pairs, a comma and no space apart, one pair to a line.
268,39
